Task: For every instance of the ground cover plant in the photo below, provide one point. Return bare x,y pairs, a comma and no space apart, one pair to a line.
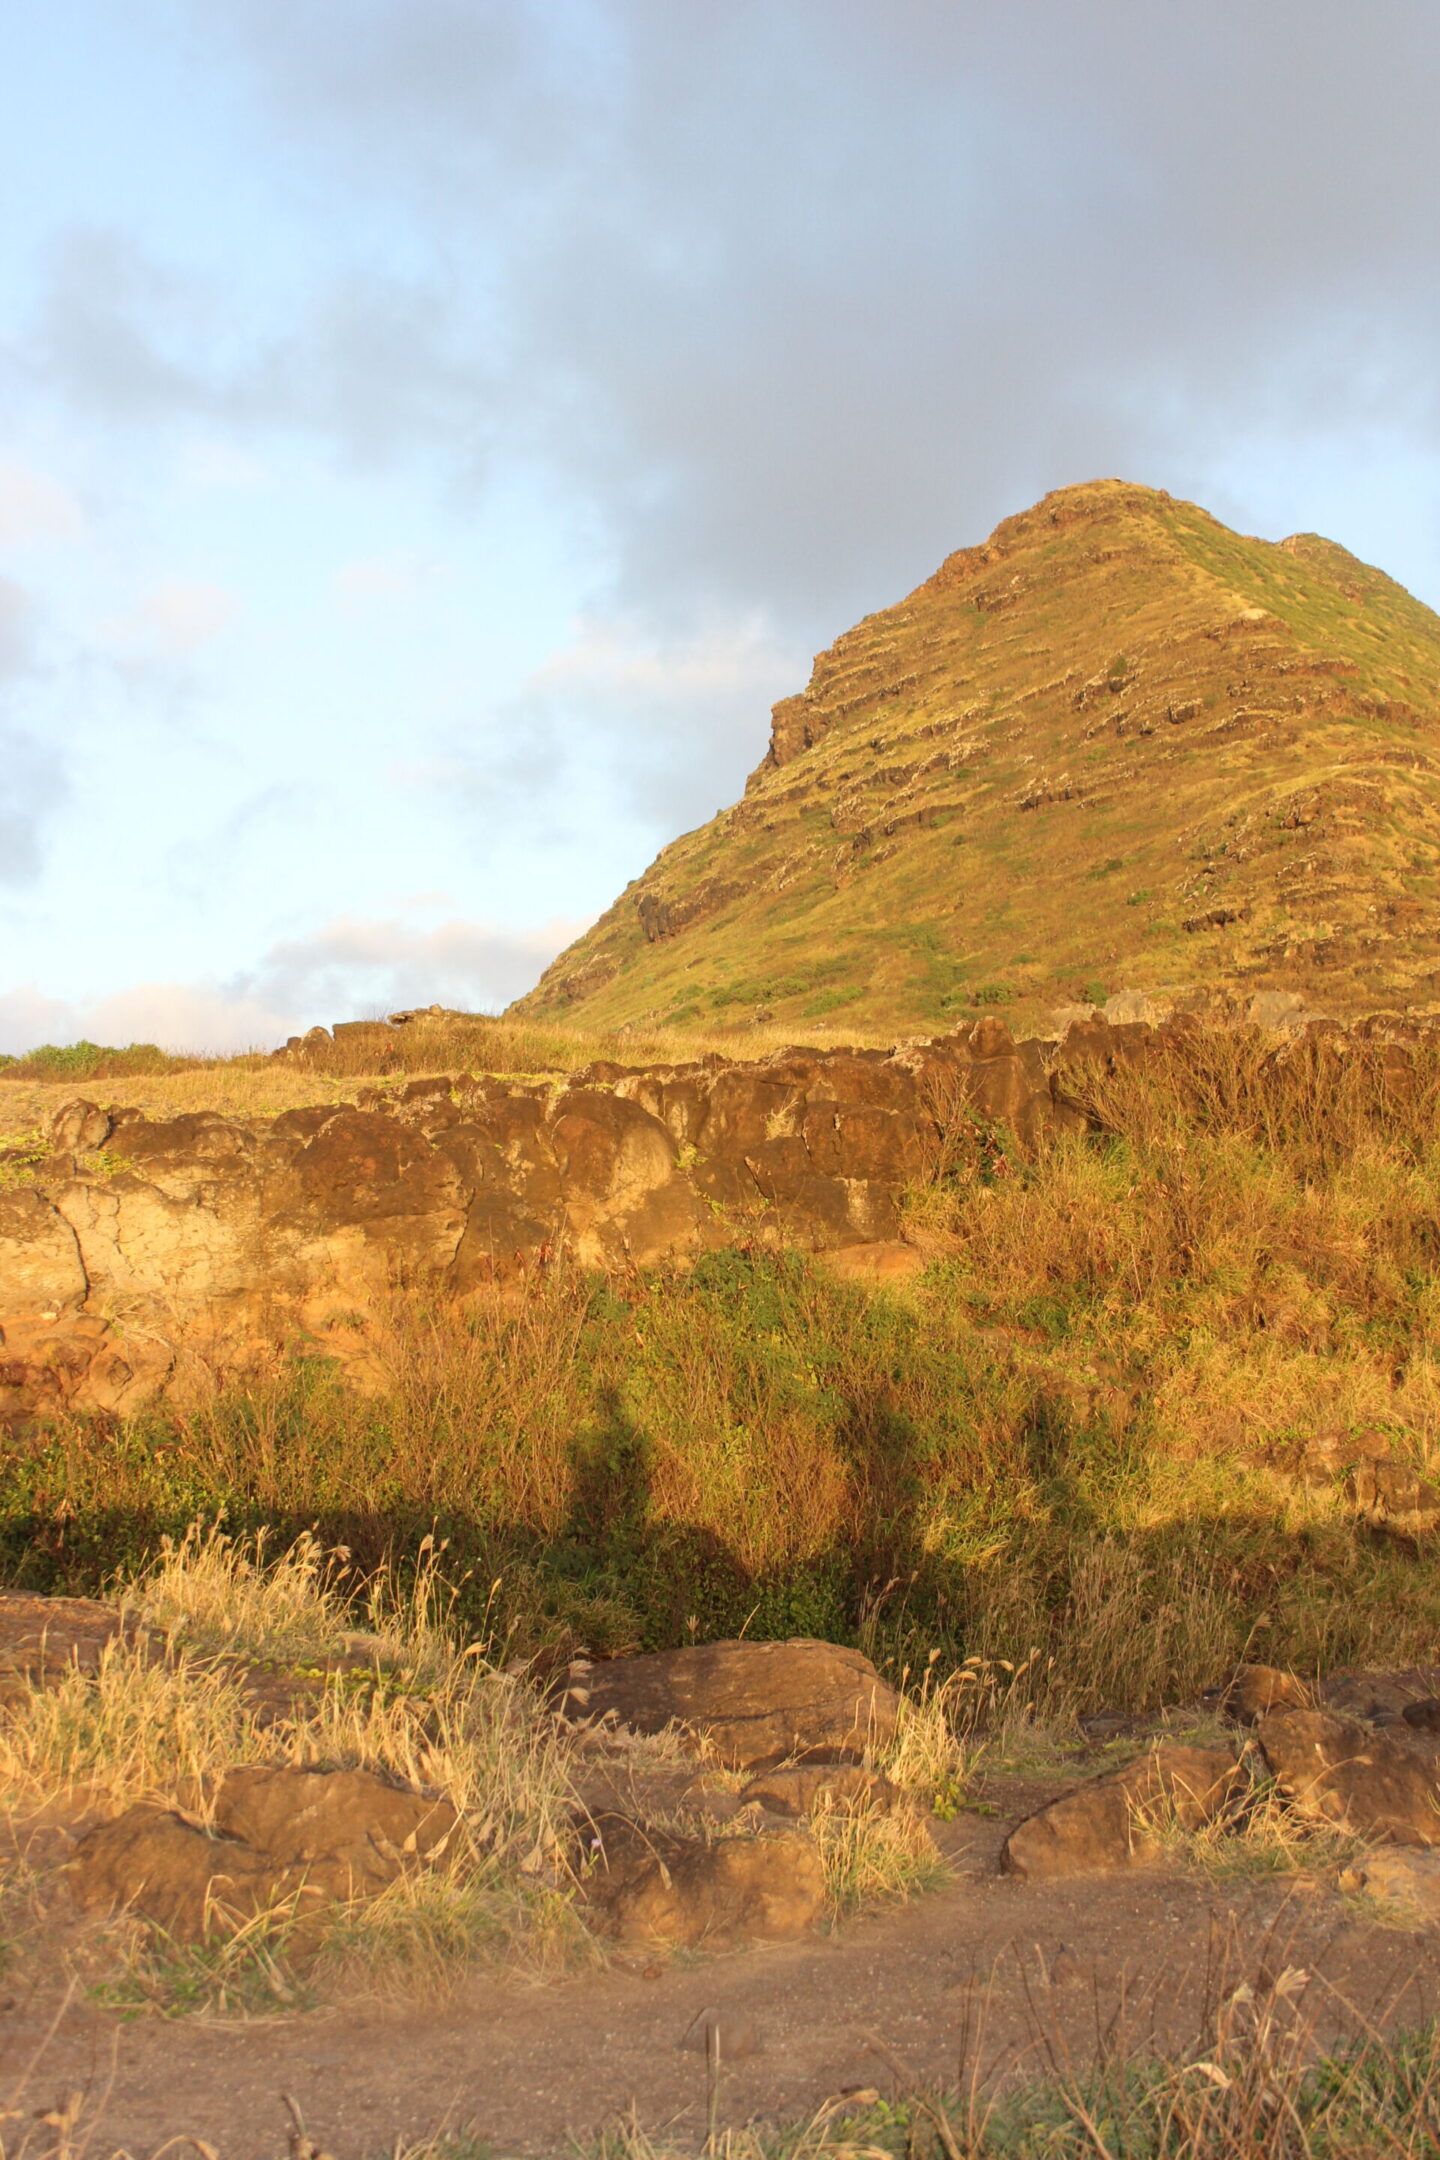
1084,1441
1256,2087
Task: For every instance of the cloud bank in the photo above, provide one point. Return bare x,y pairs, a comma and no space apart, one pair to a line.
801,295
345,970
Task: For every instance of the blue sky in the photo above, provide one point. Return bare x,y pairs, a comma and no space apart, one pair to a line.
432,432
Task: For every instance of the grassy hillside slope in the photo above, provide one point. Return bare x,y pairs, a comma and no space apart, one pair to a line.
1116,746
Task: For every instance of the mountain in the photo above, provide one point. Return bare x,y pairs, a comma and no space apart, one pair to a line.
1116,746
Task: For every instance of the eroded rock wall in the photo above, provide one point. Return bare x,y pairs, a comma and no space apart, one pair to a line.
139,1237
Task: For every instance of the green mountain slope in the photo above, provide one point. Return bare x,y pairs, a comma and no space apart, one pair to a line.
1116,746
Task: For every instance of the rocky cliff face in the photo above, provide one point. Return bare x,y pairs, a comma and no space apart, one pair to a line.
1117,745
139,1239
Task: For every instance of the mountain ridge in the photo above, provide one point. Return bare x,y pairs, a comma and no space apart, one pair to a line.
1113,746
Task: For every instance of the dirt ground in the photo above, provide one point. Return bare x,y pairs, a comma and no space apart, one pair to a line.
971,1974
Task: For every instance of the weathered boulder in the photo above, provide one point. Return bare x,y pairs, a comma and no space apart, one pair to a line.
1335,1770
887,1261
1379,1695
751,1704
348,1831
725,2036
655,1886
799,1788
1253,1691
40,1635
1114,1821
41,1270
1407,1882
154,1863
299,1838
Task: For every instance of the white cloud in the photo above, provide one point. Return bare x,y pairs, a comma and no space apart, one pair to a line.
35,507
28,1018
178,1016
220,465
349,969
353,966
673,720
32,775
183,1016
624,660
357,586
15,619
175,618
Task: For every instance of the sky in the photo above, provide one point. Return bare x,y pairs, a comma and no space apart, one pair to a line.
433,432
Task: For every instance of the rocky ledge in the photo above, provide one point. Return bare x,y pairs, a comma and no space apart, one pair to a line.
216,1230
126,1241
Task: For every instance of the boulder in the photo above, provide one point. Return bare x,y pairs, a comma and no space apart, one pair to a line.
152,1862
40,1636
1407,1882
222,1226
298,1837
655,1886
1255,1690
887,1260
1113,1822
798,1788
751,1704
41,1268
78,1126
1337,1771
346,1832
724,2036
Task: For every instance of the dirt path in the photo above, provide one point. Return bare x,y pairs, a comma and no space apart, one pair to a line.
883,2002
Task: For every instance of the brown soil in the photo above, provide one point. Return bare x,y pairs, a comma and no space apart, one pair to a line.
886,2002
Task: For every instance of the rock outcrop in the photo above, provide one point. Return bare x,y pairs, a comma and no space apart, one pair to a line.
648,1885
1118,1821
297,1838
135,1239
752,1705
1336,1771
226,1227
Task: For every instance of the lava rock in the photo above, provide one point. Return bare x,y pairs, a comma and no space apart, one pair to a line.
1111,1822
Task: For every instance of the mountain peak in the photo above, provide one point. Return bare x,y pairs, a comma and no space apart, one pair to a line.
1113,745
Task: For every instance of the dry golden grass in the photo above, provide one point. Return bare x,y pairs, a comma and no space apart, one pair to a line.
165,1712
159,1718
873,1858
132,1729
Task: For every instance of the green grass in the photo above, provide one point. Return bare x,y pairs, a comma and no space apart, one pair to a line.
1255,2087
91,1061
